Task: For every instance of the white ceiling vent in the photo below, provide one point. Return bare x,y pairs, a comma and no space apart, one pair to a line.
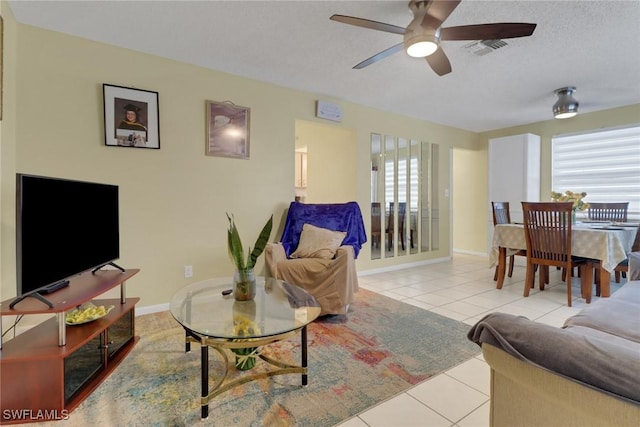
483,47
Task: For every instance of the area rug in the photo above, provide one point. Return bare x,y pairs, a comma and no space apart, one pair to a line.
380,349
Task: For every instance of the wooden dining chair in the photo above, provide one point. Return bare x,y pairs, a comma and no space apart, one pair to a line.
501,215
376,224
608,211
390,226
623,266
547,230
402,211
402,216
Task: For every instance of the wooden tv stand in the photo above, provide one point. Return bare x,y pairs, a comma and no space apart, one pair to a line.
48,370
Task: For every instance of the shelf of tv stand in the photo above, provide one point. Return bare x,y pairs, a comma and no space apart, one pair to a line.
34,367
41,342
82,288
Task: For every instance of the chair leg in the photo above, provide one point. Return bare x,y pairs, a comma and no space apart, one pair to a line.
586,281
569,289
542,276
511,262
617,275
530,278
495,275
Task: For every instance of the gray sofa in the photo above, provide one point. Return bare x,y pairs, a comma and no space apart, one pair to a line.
586,373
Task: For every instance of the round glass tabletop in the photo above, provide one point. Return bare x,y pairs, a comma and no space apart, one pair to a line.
278,307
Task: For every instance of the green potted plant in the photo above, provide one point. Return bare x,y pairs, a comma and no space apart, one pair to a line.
573,197
244,280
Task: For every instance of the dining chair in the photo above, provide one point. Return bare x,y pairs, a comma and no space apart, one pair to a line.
376,224
402,215
501,215
623,266
547,230
390,226
608,211
402,210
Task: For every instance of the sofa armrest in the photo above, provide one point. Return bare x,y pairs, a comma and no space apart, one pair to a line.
273,254
345,251
571,352
515,384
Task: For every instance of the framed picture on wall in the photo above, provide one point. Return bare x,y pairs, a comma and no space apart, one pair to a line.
227,130
131,117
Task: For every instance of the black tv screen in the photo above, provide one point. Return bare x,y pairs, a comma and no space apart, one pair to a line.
64,227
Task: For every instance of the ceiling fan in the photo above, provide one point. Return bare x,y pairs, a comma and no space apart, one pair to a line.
423,35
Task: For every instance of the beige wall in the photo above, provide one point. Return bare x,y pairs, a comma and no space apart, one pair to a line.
8,152
470,189
478,161
173,200
616,117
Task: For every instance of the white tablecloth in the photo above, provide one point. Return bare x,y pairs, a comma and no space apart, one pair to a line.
609,246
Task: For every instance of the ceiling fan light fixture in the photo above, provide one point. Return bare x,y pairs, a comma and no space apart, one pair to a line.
421,42
422,49
566,106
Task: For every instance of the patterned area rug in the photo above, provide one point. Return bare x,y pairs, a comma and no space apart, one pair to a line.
382,348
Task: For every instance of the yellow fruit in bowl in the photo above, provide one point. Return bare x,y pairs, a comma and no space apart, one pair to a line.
86,313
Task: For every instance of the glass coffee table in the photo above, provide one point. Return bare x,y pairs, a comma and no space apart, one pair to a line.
212,319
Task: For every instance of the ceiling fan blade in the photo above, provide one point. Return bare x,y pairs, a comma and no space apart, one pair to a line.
439,62
367,23
377,57
437,12
505,30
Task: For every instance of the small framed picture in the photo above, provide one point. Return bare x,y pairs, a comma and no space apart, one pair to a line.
227,130
131,117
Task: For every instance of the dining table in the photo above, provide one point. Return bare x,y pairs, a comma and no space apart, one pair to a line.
608,243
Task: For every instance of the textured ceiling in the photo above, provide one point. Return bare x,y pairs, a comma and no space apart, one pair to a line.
593,45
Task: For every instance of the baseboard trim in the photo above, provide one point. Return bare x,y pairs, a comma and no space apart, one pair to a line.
402,266
466,252
140,311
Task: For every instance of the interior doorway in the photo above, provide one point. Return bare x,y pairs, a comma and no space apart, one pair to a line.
325,165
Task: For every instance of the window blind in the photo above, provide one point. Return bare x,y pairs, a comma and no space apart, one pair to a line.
402,179
604,164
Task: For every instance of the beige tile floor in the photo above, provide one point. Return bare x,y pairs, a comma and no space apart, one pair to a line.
462,289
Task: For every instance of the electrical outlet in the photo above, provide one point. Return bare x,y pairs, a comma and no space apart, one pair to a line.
188,271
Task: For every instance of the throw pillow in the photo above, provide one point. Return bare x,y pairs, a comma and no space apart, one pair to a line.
316,242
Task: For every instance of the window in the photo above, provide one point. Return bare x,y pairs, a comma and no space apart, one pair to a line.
605,164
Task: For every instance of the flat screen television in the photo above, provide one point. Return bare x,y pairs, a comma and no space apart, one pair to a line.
64,227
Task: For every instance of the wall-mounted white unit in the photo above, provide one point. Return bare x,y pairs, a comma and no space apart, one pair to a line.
514,174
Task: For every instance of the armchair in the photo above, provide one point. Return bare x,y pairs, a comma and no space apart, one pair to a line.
332,280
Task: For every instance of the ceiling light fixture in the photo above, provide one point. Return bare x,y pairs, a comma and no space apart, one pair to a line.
422,45
420,41
566,106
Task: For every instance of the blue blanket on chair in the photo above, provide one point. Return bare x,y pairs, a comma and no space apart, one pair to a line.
337,217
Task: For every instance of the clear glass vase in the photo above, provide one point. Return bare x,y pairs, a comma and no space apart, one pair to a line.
245,358
245,327
244,285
